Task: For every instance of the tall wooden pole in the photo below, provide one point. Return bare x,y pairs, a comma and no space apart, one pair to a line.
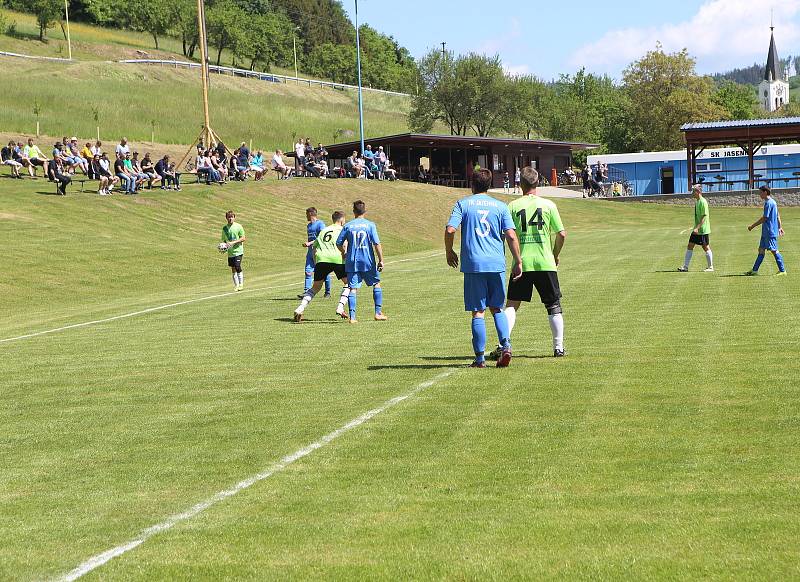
66,18
201,29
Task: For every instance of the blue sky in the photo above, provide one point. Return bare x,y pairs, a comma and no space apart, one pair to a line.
547,38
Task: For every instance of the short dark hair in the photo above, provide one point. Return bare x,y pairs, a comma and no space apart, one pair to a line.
359,207
766,189
481,181
311,210
528,178
230,214
337,215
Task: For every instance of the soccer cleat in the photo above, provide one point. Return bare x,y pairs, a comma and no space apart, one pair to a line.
298,317
751,273
559,353
779,273
352,320
505,358
380,317
326,295
477,364
494,355
341,312
239,287
683,269
709,270
301,295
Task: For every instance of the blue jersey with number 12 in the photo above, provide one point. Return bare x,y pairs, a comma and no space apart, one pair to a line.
361,235
483,221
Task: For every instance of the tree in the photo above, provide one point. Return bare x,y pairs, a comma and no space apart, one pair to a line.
531,102
738,100
151,16
665,92
334,61
486,92
440,95
184,17
226,24
267,39
47,12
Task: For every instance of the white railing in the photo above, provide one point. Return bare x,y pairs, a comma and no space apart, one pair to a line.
7,54
269,77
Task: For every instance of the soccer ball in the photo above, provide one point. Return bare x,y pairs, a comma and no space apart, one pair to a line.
222,247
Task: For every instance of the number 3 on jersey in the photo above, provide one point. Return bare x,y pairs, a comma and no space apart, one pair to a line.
536,219
486,228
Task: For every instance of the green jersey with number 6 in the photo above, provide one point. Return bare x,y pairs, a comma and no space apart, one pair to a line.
536,221
325,250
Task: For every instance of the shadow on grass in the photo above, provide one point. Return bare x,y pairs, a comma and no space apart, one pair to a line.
309,321
49,193
470,358
735,275
418,366
283,299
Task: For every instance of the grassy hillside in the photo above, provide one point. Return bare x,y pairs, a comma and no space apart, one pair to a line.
661,447
132,99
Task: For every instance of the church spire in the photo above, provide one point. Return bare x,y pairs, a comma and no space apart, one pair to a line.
773,62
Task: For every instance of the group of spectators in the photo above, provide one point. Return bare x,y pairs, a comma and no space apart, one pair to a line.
67,158
370,165
218,165
594,179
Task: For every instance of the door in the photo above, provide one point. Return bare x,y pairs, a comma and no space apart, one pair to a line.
668,180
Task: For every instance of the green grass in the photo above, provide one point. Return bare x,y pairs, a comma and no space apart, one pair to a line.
663,447
130,97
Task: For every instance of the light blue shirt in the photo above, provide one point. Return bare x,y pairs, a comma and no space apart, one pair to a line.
483,222
361,236
769,227
313,229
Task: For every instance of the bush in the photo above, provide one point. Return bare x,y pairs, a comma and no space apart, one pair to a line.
4,24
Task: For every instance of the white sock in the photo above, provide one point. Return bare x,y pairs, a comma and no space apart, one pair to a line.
557,327
306,300
709,258
687,259
235,280
511,316
241,277
343,297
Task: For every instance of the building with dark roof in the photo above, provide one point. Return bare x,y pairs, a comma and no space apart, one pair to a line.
773,91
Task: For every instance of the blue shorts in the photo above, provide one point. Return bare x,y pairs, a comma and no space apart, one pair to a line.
482,290
371,277
769,242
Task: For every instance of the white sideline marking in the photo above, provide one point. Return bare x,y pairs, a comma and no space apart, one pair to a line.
100,559
169,305
685,230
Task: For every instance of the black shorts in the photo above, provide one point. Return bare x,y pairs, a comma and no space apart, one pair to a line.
235,262
699,239
322,270
546,283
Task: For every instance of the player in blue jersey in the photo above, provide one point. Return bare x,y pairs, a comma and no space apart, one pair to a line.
484,223
771,229
359,243
314,227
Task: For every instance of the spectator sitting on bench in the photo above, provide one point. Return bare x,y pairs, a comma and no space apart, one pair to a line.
34,155
279,166
311,167
97,148
257,165
243,162
169,179
353,167
73,150
141,176
124,173
88,155
148,168
19,156
103,176
56,173
7,157
105,170
388,171
219,166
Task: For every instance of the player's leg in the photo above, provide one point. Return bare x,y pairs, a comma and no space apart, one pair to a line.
234,275
549,289
328,286
354,282
479,338
475,296
778,260
688,256
709,257
759,260
308,296
374,279
511,314
341,310
503,336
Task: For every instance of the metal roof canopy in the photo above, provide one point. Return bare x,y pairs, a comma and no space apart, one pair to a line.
748,134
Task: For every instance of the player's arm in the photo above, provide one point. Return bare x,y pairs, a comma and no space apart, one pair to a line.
449,239
757,223
513,245
700,224
780,225
561,236
379,253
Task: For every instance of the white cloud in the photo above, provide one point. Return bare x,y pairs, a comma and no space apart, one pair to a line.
722,35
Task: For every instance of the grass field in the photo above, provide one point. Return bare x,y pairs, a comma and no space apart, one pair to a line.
665,446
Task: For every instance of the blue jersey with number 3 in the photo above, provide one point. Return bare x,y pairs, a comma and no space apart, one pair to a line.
361,235
483,221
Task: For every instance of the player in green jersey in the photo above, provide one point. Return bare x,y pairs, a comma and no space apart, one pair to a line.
233,237
541,238
700,232
327,259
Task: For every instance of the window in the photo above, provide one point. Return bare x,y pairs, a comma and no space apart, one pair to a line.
710,167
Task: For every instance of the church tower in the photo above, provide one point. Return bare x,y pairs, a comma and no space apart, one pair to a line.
773,91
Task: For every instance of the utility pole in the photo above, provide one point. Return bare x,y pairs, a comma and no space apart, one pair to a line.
360,95
443,51
294,46
66,17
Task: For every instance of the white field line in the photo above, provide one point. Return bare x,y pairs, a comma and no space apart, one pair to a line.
100,559
170,305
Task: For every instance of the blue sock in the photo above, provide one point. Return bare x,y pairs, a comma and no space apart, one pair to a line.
377,296
309,281
351,302
757,264
478,337
328,285
501,324
779,260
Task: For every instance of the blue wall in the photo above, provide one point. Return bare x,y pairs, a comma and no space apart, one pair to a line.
646,176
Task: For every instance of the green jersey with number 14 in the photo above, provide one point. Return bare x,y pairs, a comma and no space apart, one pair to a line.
325,250
536,221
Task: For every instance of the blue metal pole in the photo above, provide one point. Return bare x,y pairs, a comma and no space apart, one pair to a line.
360,96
